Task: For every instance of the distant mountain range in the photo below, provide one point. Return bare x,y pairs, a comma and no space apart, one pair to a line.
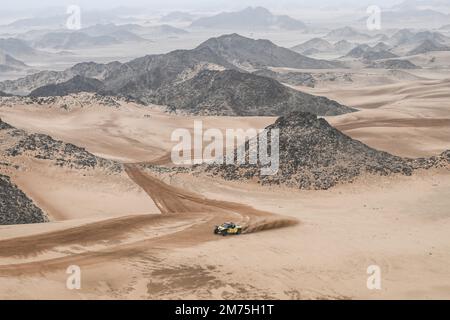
180,79
377,52
347,33
428,46
150,72
10,64
414,17
393,64
178,16
97,35
75,85
57,19
319,45
415,14
248,53
408,37
17,48
72,40
134,29
249,19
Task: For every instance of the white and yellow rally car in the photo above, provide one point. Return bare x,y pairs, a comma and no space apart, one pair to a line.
228,228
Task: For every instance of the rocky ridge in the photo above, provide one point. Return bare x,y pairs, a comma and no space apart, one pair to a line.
314,155
234,93
17,142
68,102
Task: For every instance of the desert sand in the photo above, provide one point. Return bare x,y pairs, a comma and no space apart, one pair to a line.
148,235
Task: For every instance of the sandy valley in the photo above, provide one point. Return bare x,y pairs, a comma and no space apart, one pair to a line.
137,242
87,178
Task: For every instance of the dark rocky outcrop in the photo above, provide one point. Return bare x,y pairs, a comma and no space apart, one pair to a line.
75,85
314,155
16,207
236,93
141,76
4,125
44,147
367,53
242,51
393,64
321,45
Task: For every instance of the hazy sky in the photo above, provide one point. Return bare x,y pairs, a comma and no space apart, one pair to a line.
207,5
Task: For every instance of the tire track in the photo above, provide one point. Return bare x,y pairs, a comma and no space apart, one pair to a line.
199,213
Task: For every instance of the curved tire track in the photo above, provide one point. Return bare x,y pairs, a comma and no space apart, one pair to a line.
199,213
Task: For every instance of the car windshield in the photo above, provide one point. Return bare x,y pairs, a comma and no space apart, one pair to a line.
228,225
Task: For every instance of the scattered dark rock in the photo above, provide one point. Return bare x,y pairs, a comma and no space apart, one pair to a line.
44,147
393,64
4,125
75,85
235,93
314,155
16,207
41,146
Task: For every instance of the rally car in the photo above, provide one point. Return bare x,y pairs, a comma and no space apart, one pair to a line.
228,228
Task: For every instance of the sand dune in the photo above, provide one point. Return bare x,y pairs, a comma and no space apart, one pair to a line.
148,235
131,133
407,119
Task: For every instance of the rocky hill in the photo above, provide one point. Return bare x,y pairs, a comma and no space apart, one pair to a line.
17,48
131,31
75,85
249,18
428,46
316,43
17,142
67,102
314,155
10,64
408,37
16,207
343,46
368,53
15,146
26,85
141,77
135,78
393,64
249,53
235,93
